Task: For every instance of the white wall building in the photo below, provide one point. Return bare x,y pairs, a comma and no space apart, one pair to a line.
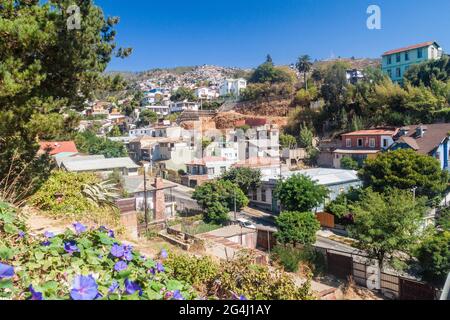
183,106
206,93
232,87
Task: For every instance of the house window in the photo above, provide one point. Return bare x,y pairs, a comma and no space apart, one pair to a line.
406,56
385,143
360,142
210,171
223,169
255,195
419,53
398,57
389,73
398,73
372,143
263,195
337,156
389,60
438,155
348,143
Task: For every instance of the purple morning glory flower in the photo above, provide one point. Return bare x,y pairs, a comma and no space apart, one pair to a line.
164,254
71,247
241,297
6,271
21,234
131,287
45,243
49,234
117,251
177,295
120,266
111,233
128,255
168,295
84,288
114,286
35,295
160,267
79,228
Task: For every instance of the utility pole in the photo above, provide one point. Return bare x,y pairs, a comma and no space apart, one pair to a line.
145,198
235,211
414,193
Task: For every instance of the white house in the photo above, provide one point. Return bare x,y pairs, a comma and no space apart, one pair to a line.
206,93
159,110
183,106
232,87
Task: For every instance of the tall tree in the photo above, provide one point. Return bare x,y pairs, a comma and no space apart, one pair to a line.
385,224
304,65
300,193
297,228
217,198
405,169
246,178
45,66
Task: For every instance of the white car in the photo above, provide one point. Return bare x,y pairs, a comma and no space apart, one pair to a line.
244,223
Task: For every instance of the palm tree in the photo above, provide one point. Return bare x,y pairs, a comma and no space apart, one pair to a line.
304,65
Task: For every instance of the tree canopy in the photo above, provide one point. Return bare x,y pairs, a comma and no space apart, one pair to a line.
300,193
45,67
405,169
386,223
297,228
217,199
434,257
147,117
182,94
89,142
246,178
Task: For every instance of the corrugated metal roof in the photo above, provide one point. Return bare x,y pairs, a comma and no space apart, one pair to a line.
100,164
322,176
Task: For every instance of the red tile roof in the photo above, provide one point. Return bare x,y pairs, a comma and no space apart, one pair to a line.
372,132
416,46
56,147
204,160
257,162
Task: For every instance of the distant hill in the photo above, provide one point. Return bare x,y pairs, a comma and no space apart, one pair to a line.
355,63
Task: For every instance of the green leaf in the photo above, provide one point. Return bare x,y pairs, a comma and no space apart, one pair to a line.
6,284
174,285
154,295
10,228
6,253
39,255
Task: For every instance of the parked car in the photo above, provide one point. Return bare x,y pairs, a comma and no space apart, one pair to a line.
244,223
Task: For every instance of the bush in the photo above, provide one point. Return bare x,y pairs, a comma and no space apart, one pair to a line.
217,200
237,277
297,228
62,195
290,258
349,164
434,258
198,272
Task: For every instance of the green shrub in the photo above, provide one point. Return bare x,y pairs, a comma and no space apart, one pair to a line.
195,271
240,276
290,258
62,195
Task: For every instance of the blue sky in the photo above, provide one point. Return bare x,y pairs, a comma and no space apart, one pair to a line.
242,32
